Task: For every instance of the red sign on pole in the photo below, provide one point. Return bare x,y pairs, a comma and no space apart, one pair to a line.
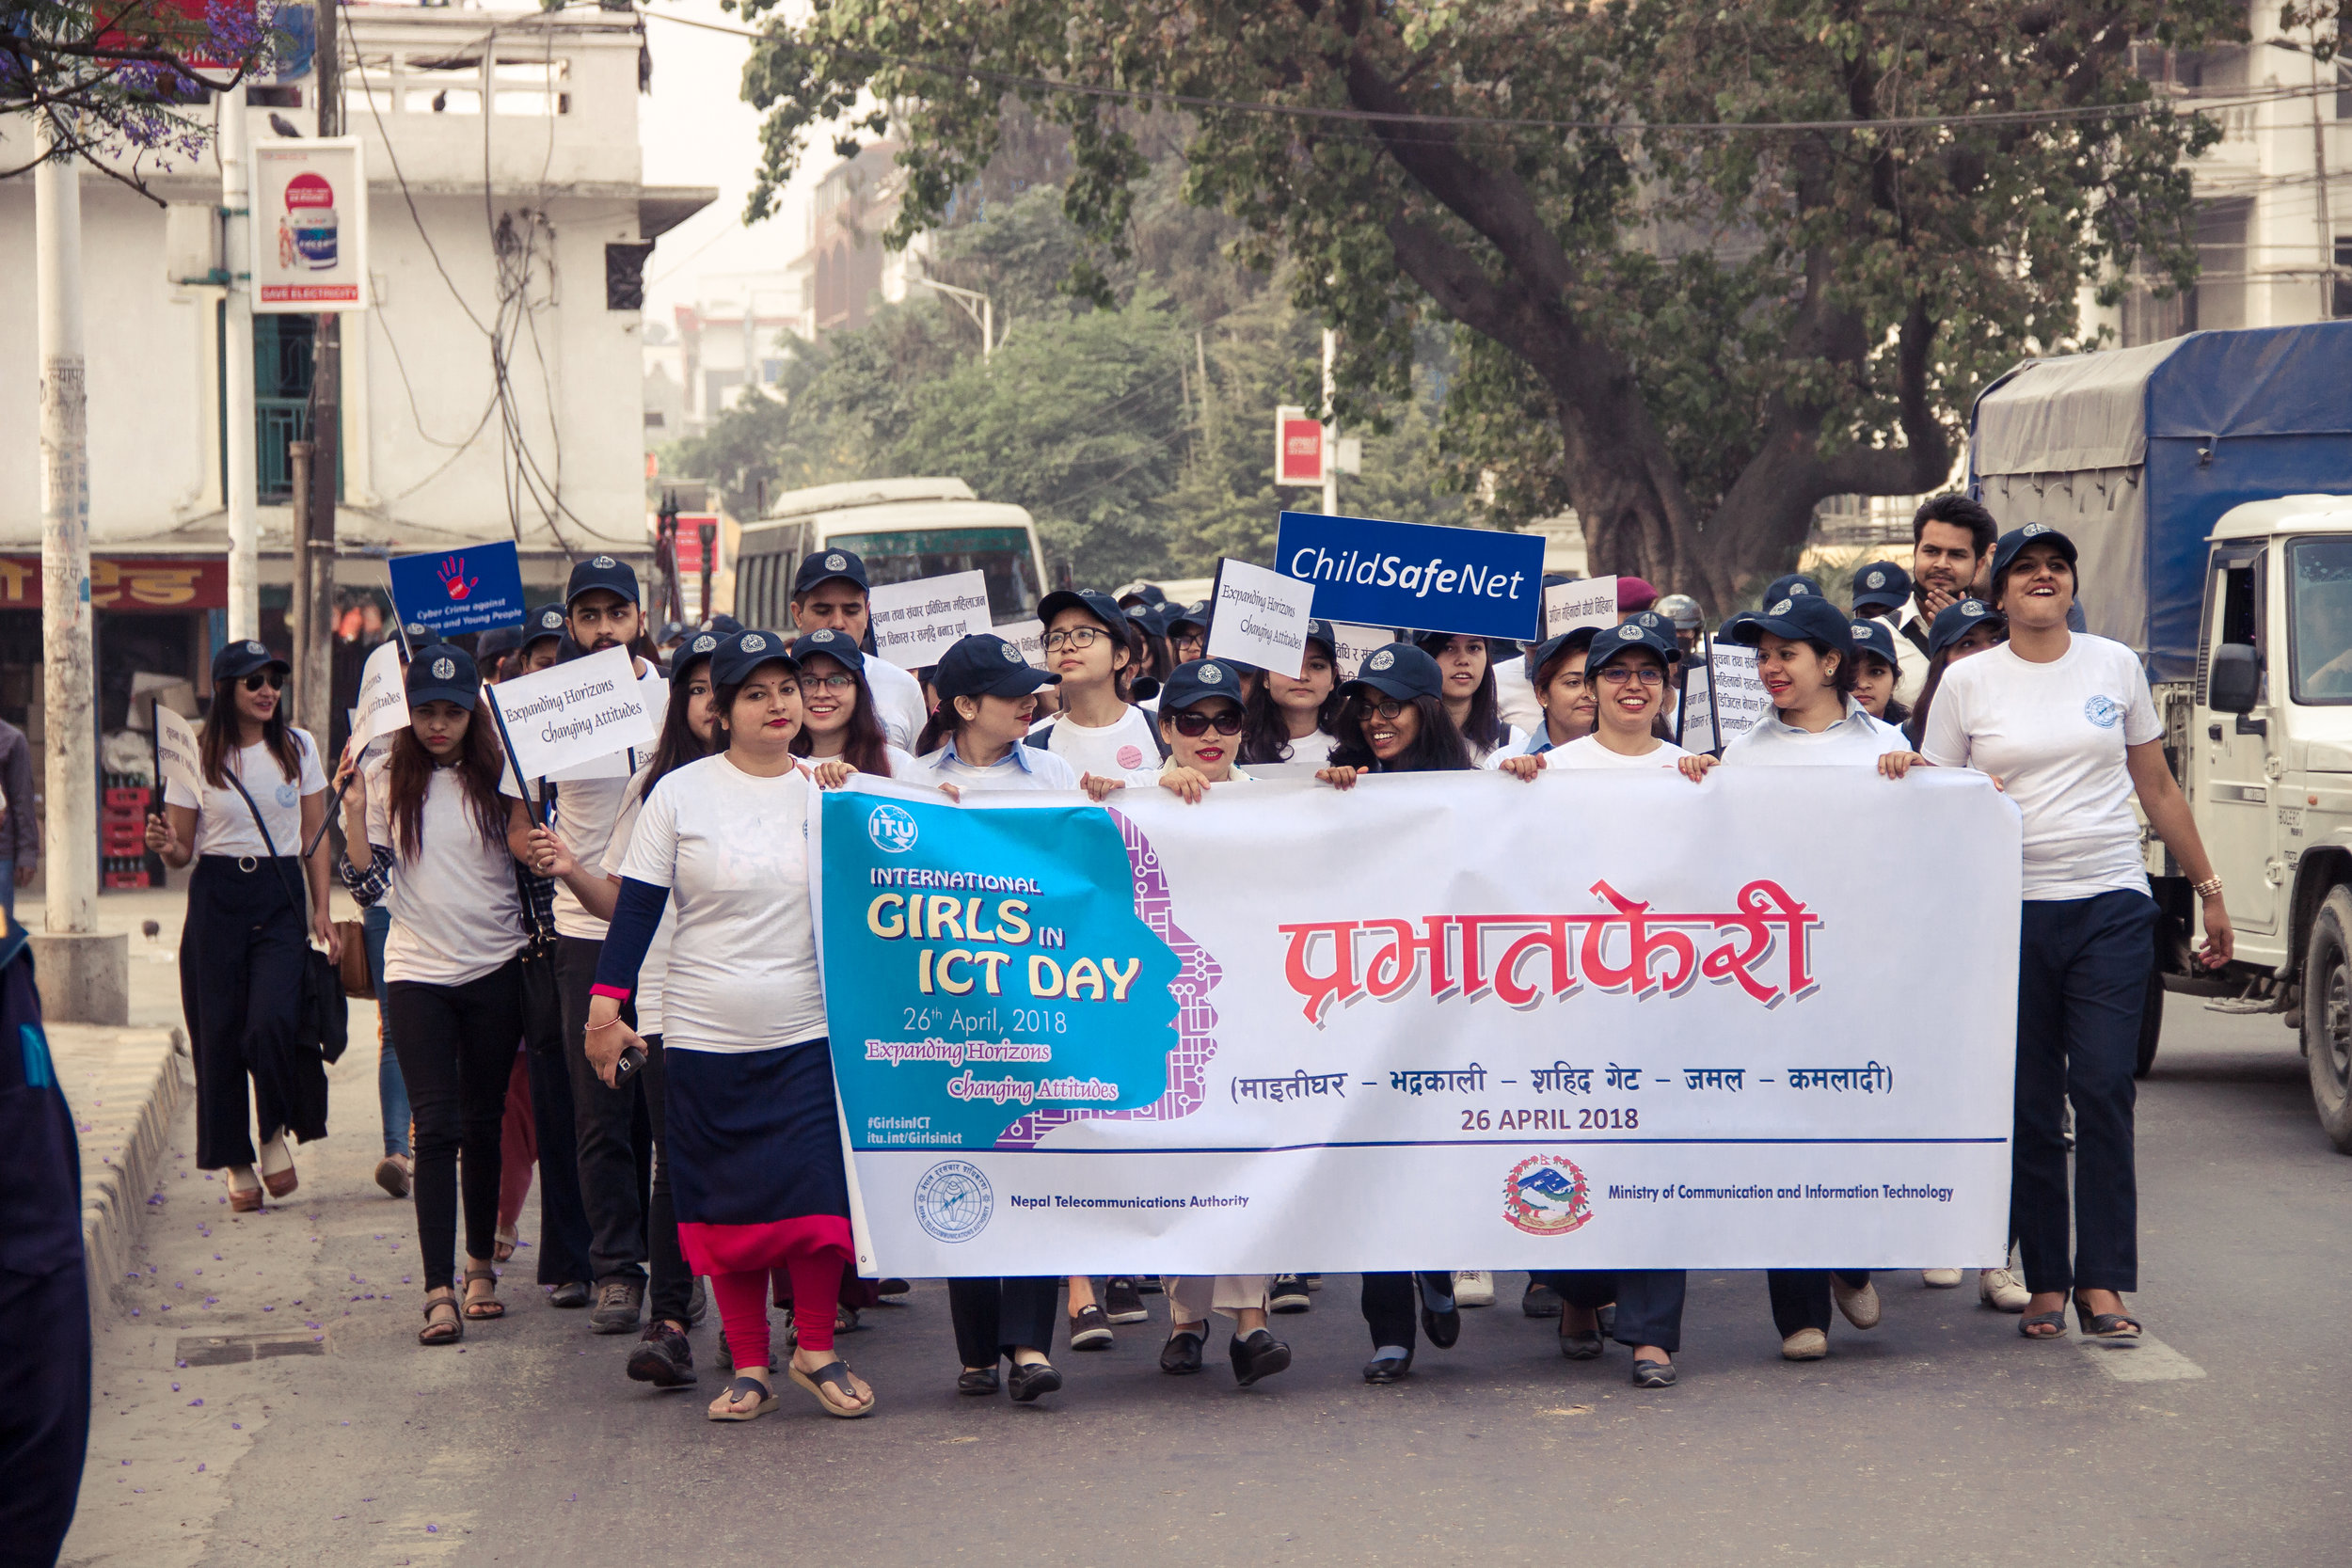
1298,447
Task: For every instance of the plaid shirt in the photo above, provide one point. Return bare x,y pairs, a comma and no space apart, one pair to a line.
367,887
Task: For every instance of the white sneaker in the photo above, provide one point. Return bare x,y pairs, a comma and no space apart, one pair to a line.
1861,1307
1473,1288
1805,1344
1940,1279
2002,1290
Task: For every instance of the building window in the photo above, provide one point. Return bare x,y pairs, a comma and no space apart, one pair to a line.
2219,302
282,361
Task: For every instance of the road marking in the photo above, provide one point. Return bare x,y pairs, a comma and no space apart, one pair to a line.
2151,1361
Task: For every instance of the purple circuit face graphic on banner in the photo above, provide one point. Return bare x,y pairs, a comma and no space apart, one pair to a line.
985,995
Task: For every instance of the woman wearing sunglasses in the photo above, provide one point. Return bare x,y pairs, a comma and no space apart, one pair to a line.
253,907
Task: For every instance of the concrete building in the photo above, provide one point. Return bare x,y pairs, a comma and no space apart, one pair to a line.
492,392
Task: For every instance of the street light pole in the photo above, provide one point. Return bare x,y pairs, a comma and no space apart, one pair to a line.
1330,424
975,304
237,476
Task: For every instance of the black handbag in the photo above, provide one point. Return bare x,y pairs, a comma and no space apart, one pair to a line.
323,1020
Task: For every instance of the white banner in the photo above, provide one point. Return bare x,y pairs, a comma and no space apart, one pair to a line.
1586,602
1224,1039
177,758
916,622
585,712
383,706
1260,617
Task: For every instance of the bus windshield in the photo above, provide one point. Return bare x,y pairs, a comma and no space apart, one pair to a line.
1000,554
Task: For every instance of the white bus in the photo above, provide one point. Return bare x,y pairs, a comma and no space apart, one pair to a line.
904,529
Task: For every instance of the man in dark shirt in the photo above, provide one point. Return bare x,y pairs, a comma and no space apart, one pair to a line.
20,824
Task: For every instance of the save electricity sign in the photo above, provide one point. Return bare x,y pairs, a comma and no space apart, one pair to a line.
309,227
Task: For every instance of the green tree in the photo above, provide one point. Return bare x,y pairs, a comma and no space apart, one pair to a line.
1729,259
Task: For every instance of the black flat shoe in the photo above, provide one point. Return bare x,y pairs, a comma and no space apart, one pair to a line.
1443,1328
1259,1355
1035,1378
1541,1301
978,1380
571,1293
888,1288
1388,1369
1580,1347
1181,1356
1653,1374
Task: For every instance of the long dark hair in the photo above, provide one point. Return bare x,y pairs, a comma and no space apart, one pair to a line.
939,728
1265,733
220,735
479,766
1483,726
865,747
679,744
1437,749
1916,726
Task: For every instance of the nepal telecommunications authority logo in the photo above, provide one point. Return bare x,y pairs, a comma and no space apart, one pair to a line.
891,828
1546,1195
953,1200
2103,710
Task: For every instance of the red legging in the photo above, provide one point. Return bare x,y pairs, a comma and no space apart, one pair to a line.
812,1249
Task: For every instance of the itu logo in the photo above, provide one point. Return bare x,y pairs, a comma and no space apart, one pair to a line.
1546,1195
953,1201
892,829
2103,711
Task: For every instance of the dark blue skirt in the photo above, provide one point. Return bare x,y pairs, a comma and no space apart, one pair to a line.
753,1135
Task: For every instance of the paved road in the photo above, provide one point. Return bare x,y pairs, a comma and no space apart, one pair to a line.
1939,1435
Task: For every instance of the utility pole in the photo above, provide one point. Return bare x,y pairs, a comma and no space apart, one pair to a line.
2319,171
975,304
313,596
1330,423
238,485
78,982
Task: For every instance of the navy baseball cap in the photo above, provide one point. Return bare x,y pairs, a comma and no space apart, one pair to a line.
1197,680
546,621
733,660
1879,585
1959,618
2006,547
1876,637
1790,586
832,645
1400,671
1612,641
1800,617
694,651
1191,616
1150,617
240,659
443,674
824,565
1092,600
497,640
1574,643
724,623
1320,631
601,571
985,665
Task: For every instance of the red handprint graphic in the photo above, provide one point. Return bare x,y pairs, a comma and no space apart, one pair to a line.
453,577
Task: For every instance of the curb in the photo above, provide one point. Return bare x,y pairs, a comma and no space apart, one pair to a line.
125,1086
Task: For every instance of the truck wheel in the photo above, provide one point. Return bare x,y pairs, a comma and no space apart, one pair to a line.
2327,1016
2151,1022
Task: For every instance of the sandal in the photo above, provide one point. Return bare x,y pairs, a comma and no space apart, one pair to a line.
2042,1325
441,1330
482,1309
503,1248
285,1180
729,1406
2116,1328
245,1200
834,1374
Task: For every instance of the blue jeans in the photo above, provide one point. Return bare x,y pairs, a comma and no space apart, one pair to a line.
392,1089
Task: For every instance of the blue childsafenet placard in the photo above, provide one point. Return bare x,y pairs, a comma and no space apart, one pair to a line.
475,589
1472,580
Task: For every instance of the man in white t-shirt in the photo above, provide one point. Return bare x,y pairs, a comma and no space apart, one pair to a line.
830,590
602,611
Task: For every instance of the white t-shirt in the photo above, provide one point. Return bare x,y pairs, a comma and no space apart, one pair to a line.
224,827
2053,735
1314,750
1586,750
456,913
1491,757
1021,767
586,810
654,971
898,701
1855,738
1515,694
1120,750
1911,664
901,762
733,850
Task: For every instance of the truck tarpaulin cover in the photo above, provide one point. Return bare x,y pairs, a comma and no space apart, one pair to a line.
2136,454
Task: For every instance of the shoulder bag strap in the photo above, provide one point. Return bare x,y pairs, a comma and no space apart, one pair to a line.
301,905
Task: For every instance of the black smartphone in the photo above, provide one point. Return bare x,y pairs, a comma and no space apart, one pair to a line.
631,1059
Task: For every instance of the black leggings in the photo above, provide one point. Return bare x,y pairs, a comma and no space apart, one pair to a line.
457,1048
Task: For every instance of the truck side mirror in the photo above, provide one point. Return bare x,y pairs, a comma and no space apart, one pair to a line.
2234,683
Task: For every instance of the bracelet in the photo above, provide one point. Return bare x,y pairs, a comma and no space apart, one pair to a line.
592,1028
2207,888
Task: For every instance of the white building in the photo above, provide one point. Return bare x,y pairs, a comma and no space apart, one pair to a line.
439,448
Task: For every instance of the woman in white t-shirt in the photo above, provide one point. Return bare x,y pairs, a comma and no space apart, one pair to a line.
1098,731
1288,719
2064,722
1630,671
1470,702
842,721
753,1148
253,907
428,824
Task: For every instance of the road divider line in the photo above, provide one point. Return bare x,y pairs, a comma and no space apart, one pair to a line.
2151,1361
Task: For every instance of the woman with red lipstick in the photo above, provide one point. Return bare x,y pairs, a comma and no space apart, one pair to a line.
755,1171
427,822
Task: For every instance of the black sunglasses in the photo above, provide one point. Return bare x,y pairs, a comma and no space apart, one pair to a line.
1192,726
277,679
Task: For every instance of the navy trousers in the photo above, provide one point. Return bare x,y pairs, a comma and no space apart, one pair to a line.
1650,1300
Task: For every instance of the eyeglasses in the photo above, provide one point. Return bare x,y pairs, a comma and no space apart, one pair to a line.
839,681
1386,707
1077,636
277,679
1192,726
1618,675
